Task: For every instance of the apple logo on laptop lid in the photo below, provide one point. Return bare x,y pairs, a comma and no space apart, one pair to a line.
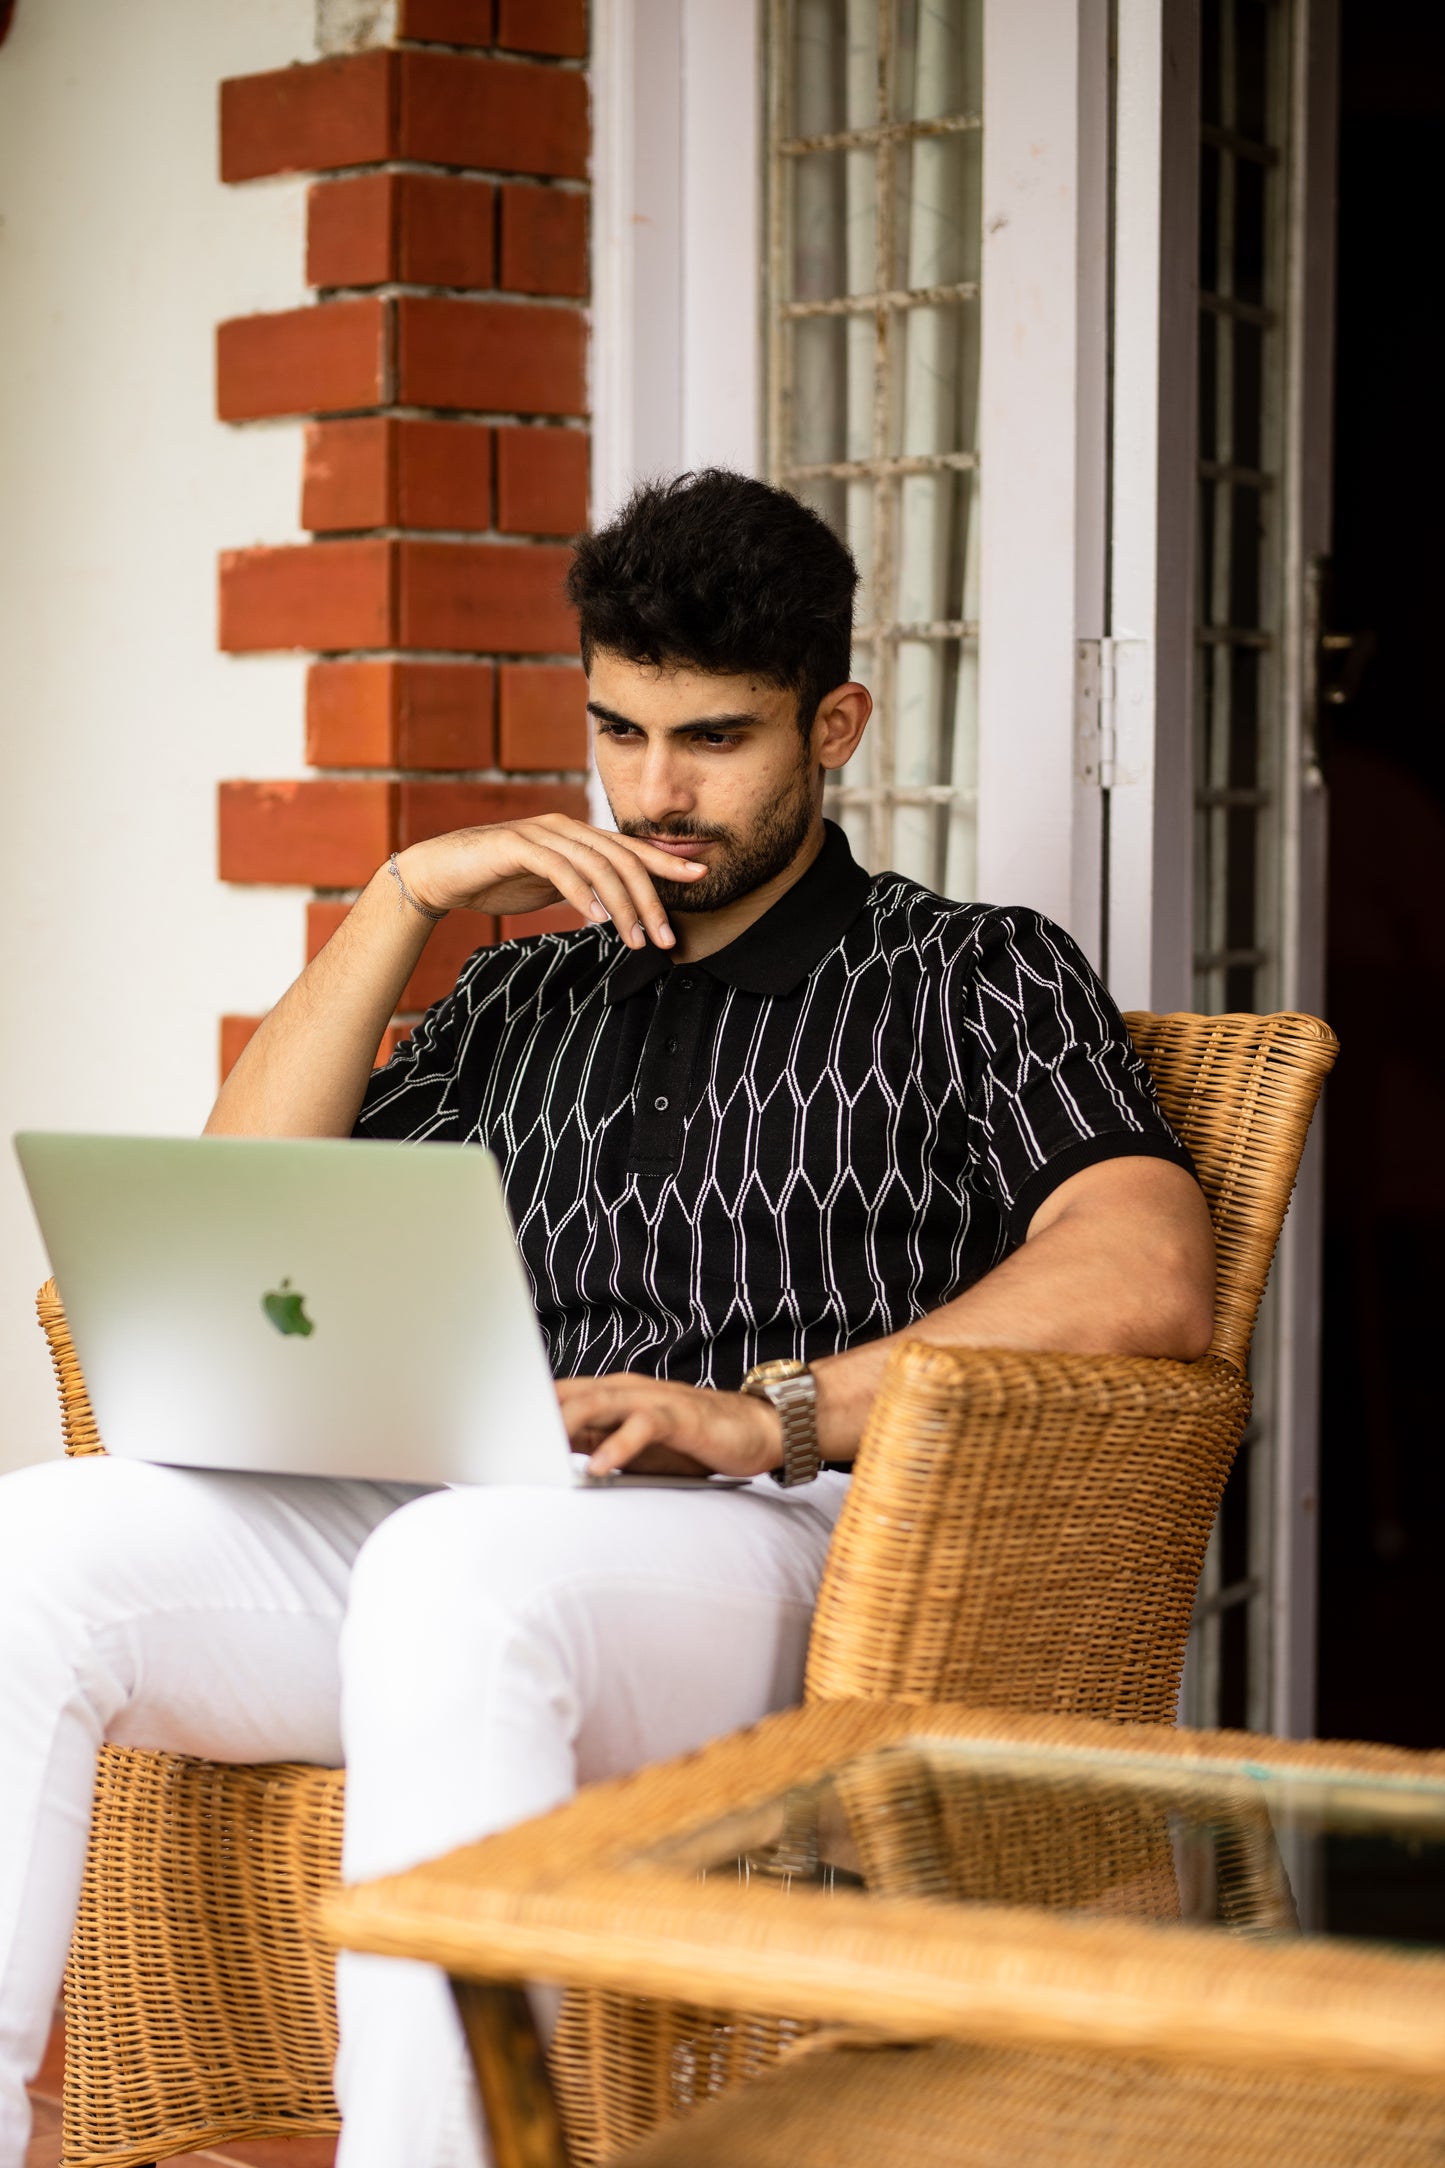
286,1308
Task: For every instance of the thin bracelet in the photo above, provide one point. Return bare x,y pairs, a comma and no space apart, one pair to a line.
417,905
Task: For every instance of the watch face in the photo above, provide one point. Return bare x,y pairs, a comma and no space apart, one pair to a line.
775,1372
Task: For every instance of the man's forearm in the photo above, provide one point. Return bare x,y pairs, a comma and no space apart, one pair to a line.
1088,1285
305,1070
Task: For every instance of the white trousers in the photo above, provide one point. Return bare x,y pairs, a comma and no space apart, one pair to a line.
472,1655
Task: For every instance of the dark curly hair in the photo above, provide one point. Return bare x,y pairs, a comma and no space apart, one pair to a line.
715,571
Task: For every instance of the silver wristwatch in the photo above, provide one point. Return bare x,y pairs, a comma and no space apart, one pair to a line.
791,1388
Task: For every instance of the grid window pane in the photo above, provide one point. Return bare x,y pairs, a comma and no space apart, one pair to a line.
933,370
819,70
873,264
936,224
1247,404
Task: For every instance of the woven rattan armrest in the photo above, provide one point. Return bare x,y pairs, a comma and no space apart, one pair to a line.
1026,1530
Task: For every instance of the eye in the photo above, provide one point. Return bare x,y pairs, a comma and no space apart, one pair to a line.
716,737
618,730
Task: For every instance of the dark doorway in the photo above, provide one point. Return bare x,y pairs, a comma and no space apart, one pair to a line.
1382,1489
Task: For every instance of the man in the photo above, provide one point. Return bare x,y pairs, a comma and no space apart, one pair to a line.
759,1110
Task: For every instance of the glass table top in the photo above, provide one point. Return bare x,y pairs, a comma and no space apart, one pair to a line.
1236,1846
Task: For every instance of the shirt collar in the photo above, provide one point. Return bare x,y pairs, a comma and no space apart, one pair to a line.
778,950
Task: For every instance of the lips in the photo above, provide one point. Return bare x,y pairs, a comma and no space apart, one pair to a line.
680,846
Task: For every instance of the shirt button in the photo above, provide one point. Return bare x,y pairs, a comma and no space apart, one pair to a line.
686,985
672,1046
661,1105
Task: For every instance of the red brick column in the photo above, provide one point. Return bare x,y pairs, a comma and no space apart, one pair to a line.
441,376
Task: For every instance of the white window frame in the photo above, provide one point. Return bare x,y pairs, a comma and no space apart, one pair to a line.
1153,488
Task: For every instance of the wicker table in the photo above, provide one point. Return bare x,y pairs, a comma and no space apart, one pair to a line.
1094,1928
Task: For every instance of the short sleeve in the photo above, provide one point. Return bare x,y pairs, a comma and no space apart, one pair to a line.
1053,1079
422,1093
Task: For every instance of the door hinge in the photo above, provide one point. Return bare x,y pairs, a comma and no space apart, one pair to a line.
1096,742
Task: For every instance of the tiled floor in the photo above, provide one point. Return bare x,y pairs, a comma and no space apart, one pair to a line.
44,2149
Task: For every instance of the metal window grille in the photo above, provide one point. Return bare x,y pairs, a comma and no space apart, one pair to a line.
1239,713
874,231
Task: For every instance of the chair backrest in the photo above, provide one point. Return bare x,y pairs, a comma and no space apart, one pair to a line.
77,1417
1240,1091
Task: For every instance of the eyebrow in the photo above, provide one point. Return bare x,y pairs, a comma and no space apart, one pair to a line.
675,730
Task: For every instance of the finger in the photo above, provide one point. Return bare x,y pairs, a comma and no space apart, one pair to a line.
637,861
561,860
654,857
627,875
570,882
629,1438
593,884
658,861
651,864
587,1441
605,1406
623,888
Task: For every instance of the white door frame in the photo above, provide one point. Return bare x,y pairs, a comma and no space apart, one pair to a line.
676,210
1149,880
1042,422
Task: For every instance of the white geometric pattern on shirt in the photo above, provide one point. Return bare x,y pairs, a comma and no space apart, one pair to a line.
851,1152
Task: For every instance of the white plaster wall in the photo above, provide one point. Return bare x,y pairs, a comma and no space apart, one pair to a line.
119,252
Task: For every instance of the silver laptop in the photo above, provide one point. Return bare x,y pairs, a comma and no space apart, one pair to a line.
329,1308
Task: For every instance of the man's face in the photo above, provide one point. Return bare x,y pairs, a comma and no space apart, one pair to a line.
718,763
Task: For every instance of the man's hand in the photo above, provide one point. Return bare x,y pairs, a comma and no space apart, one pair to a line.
654,1426
525,865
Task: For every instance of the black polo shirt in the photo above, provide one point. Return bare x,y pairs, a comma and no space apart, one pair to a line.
808,1140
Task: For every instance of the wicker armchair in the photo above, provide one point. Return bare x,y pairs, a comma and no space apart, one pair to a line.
1049,1563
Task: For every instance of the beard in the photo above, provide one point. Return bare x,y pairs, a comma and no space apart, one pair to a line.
742,862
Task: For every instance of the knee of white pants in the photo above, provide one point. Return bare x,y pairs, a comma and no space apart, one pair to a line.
68,1531
449,1581
455,1576
461,1679
66,1536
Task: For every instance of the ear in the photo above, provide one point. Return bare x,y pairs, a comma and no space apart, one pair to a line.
839,723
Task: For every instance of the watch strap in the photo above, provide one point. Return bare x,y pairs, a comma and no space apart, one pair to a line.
791,1388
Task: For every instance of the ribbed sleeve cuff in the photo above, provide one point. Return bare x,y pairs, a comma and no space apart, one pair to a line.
1089,1152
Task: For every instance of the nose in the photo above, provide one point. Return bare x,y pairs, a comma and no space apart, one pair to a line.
663,792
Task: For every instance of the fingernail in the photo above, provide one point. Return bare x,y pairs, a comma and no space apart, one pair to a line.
639,934
694,865
596,909
665,936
